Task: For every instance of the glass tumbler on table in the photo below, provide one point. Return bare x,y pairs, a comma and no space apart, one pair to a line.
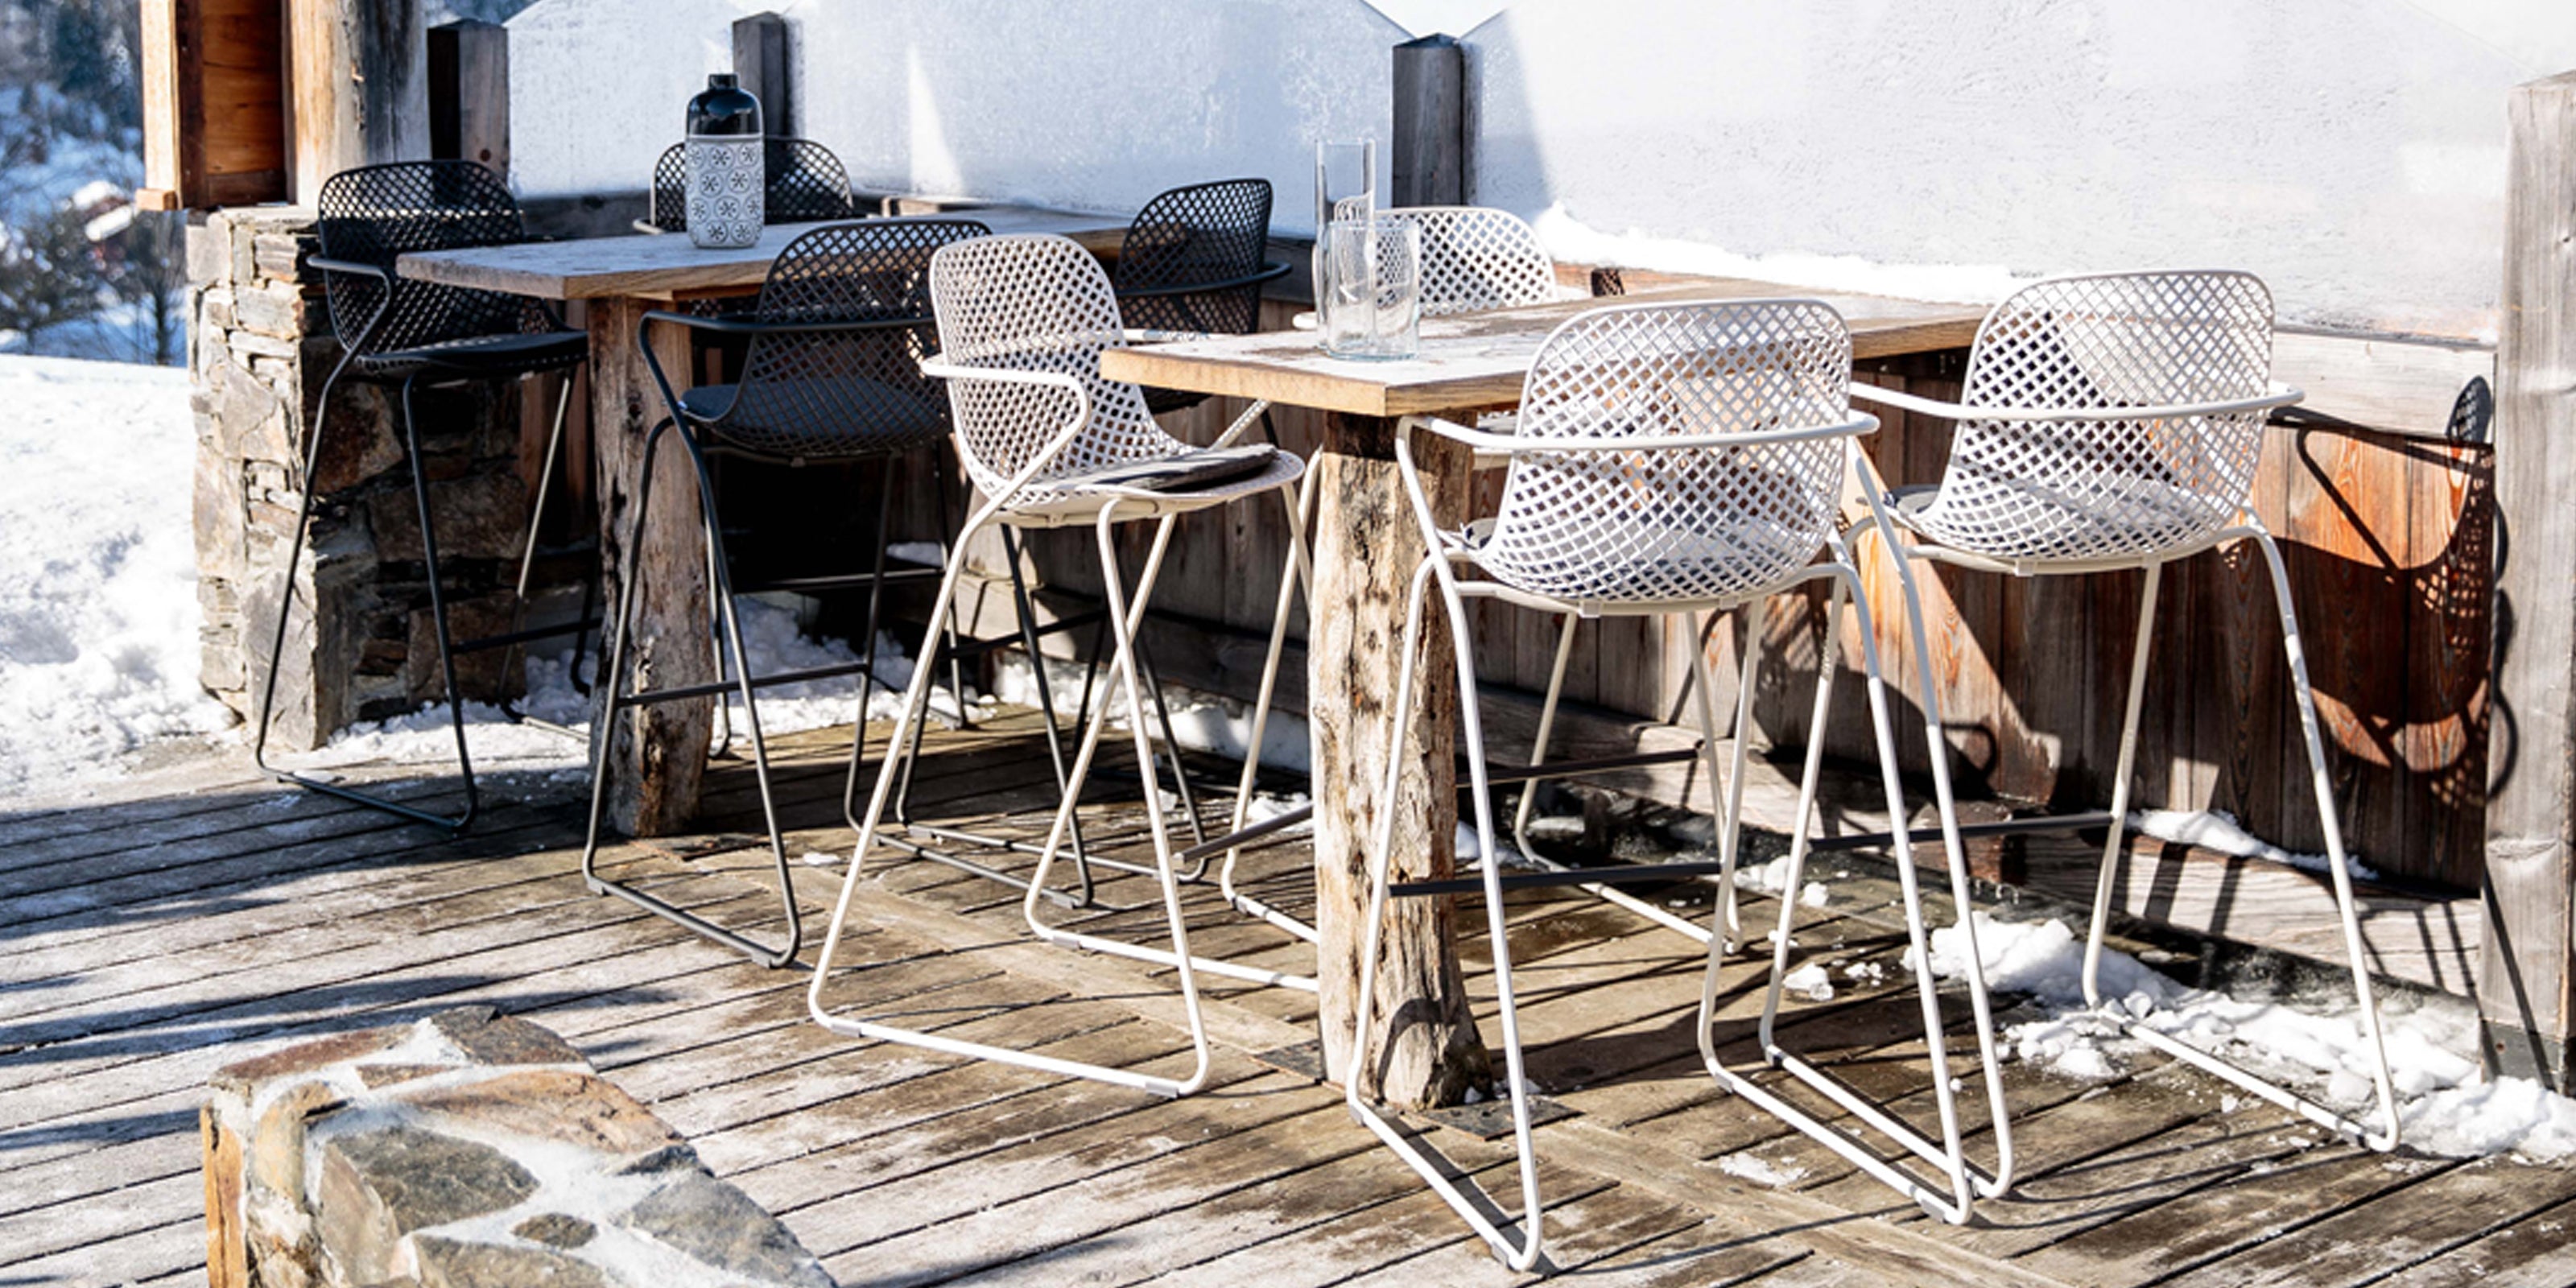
1368,288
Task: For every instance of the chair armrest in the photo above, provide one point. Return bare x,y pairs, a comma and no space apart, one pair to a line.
1513,444
2278,395
938,369
349,266
1271,271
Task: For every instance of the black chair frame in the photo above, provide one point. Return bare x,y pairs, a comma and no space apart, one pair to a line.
434,360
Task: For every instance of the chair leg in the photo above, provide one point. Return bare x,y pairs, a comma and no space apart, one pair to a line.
1529,795
868,646
1125,616
2107,878
1294,573
613,703
2340,875
719,747
903,825
1949,1153
528,549
454,823
916,702
1525,1254
1954,849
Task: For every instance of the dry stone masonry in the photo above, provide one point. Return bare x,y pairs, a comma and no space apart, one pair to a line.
361,645
466,1150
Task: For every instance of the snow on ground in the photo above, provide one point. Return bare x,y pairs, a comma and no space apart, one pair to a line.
2445,1103
2218,830
1571,241
771,639
98,573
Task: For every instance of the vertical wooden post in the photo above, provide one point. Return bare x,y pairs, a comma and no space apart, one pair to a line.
1429,150
357,78
1366,546
2524,985
469,93
660,752
760,62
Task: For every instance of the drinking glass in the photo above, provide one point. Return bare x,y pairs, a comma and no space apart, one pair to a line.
1368,288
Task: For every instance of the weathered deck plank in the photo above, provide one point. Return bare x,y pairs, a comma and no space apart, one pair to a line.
169,938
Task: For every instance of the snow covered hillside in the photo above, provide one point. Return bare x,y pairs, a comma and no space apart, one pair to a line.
98,577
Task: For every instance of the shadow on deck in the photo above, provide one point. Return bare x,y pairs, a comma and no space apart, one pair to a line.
144,944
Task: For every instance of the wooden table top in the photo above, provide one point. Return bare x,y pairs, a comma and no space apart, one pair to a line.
669,266
1479,359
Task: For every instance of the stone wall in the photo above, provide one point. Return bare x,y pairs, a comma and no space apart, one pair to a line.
465,1151
359,645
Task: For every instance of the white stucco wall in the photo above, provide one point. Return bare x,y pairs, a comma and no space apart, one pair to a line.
1080,104
2349,150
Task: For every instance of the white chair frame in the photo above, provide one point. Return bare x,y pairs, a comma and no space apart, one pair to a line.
1474,258
1095,422
2075,552
1959,1182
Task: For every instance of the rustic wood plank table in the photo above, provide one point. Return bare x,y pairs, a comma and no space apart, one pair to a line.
660,754
1366,547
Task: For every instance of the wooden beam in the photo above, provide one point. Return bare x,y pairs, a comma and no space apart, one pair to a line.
1429,154
358,78
1425,1050
761,64
2397,385
2524,988
469,93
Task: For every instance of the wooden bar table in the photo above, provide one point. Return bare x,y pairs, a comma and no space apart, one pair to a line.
660,754
1366,547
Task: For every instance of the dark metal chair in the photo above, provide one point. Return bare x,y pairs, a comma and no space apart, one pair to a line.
831,375
407,333
805,184
1194,261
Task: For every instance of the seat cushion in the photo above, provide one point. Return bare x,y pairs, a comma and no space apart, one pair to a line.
491,356
1195,471
837,416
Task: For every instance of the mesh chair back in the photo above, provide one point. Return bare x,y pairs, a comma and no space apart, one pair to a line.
820,395
1476,258
1208,232
1665,525
375,213
1035,303
2083,490
803,183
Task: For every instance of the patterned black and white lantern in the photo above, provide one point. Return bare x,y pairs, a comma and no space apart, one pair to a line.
724,165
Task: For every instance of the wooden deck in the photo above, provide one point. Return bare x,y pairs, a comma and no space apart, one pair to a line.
149,942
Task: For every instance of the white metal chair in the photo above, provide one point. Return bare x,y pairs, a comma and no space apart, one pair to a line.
1049,443
1670,459
1477,258
1474,259
2113,421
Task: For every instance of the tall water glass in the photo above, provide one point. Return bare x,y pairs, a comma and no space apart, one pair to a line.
1345,181
1368,288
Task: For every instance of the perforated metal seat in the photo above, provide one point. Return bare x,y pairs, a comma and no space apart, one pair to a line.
1680,459
2114,421
406,332
1022,324
831,373
489,357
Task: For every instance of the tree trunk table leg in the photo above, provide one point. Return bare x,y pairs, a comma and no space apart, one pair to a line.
1366,547
660,752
